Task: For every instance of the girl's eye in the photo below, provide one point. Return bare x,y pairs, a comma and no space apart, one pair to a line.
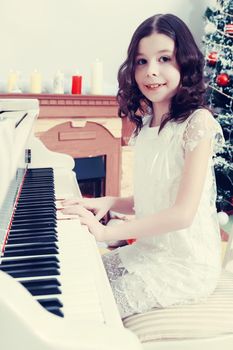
140,61
164,59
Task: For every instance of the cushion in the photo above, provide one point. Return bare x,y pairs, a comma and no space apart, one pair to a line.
212,317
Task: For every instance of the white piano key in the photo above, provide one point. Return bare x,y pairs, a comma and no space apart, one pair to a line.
79,293
65,184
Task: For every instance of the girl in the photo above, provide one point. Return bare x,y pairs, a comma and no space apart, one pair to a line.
176,256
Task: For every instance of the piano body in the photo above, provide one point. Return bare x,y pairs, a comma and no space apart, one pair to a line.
54,292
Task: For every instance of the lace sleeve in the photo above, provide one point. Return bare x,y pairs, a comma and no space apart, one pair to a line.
202,125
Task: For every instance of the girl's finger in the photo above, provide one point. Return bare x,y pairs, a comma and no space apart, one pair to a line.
71,210
69,202
77,210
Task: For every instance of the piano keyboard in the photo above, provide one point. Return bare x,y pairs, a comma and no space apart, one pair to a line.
41,253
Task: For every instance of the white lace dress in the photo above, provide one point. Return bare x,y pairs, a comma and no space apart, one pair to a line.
181,266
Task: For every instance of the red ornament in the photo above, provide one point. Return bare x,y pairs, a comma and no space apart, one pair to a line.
229,29
131,240
223,79
212,58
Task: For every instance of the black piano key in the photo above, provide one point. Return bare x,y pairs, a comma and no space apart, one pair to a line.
23,221
30,233
35,183
33,191
35,206
36,190
32,239
42,286
35,210
47,203
33,272
30,246
23,263
41,282
56,311
31,260
34,187
36,231
35,215
52,305
35,200
32,221
45,290
50,302
31,252
34,225
43,181
31,211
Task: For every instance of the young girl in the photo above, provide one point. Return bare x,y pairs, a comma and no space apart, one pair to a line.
176,256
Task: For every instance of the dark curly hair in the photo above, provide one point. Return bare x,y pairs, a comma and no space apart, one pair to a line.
190,60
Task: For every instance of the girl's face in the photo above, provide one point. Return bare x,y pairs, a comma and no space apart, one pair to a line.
156,70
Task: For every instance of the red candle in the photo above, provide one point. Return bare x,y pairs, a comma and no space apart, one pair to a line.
76,84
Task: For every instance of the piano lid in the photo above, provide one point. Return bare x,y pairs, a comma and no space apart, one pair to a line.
17,118
10,104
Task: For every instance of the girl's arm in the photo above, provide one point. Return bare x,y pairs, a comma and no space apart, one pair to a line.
123,205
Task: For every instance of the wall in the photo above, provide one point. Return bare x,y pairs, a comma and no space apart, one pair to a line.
69,35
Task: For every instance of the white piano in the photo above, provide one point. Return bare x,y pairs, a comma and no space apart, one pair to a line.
54,292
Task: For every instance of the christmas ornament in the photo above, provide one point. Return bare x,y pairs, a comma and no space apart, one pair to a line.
223,79
212,3
210,28
229,29
223,218
212,58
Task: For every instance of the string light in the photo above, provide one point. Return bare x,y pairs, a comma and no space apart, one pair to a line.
212,87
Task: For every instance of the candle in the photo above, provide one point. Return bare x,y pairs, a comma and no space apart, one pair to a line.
58,83
35,82
12,81
76,84
97,78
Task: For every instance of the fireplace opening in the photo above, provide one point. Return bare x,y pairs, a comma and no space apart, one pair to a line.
91,175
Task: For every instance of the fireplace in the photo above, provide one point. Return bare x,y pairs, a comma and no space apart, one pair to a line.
91,173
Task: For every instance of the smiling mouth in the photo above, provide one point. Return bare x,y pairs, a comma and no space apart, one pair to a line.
153,86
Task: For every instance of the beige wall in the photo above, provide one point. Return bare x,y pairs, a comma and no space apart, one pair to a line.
70,34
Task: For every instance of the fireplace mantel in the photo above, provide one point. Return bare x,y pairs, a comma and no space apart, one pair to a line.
78,106
92,106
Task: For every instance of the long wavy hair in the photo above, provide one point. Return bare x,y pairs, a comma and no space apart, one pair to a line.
190,94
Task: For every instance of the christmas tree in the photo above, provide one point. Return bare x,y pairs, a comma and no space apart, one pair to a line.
218,42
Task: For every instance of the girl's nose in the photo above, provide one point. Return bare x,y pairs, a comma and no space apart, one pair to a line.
153,69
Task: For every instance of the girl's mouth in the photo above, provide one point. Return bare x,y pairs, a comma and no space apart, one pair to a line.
153,86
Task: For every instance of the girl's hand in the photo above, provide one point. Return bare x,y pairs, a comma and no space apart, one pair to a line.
98,206
86,217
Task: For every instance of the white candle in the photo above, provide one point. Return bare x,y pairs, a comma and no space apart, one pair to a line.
35,82
58,83
12,81
96,78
